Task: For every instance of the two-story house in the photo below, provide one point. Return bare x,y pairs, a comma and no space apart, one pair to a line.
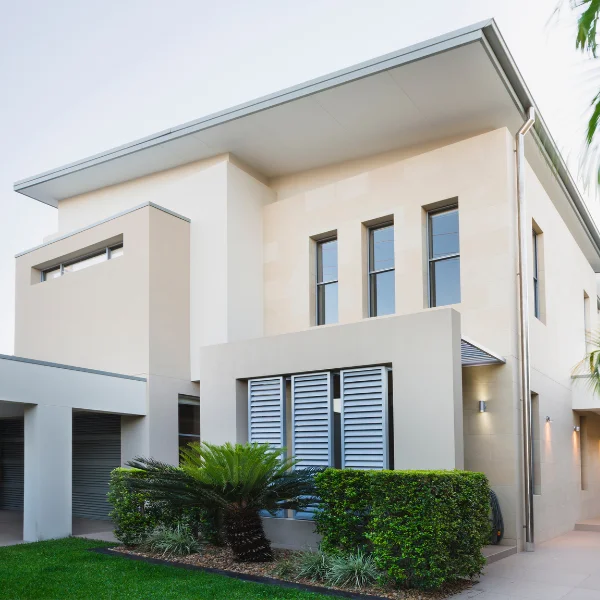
333,268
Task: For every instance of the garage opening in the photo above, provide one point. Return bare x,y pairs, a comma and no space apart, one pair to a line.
96,452
12,464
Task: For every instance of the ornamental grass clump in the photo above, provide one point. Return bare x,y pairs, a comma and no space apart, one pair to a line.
356,570
176,541
313,565
238,480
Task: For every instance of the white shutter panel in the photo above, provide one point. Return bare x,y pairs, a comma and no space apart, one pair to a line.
266,411
365,418
312,424
312,414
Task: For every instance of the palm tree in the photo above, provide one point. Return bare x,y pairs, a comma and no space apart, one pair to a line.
587,24
240,480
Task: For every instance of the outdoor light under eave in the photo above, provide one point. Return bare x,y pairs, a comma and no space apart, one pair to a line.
482,406
576,428
548,420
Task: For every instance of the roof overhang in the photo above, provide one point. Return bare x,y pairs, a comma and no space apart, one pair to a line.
449,87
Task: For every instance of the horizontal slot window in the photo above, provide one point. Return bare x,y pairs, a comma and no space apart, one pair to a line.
83,262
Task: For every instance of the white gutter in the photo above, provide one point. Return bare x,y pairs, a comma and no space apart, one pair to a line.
524,235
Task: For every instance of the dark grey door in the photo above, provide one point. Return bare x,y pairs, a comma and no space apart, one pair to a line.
96,452
12,464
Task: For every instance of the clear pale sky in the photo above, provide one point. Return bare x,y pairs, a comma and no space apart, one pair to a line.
78,77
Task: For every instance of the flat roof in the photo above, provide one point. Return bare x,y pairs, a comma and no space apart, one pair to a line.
458,84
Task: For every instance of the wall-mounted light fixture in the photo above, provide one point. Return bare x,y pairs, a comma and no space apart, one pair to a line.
548,420
482,406
576,428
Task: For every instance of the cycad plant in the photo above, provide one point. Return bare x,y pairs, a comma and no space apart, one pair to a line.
240,480
588,369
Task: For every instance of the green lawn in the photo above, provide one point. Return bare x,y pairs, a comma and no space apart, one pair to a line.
65,570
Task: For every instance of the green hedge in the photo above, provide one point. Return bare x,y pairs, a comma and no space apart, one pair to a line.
135,515
424,528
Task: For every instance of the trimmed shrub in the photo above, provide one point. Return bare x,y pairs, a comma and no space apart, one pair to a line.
423,528
132,518
345,509
176,541
135,517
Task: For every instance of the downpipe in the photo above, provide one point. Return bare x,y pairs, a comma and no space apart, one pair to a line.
524,233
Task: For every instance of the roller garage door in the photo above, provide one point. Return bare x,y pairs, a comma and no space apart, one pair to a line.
96,452
12,464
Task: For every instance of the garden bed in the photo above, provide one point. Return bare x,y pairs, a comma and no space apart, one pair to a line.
221,560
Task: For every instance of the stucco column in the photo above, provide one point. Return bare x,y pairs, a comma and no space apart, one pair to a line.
428,406
48,472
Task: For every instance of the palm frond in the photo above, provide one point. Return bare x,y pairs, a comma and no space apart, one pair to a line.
587,370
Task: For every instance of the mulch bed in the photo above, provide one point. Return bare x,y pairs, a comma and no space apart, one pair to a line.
221,560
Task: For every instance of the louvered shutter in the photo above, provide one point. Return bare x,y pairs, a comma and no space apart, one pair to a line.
266,411
365,418
312,424
96,452
266,416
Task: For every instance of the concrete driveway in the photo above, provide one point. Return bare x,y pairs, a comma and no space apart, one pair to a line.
11,528
567,567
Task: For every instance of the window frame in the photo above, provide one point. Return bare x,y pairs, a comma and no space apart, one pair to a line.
319,284
107,251
371,309
537,312
184,399
432,260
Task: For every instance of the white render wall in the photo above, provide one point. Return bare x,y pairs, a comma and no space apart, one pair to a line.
224,204
427,414
47,396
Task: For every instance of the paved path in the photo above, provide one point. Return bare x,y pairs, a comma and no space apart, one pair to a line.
567,567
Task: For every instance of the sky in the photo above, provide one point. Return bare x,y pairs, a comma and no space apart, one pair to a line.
77,78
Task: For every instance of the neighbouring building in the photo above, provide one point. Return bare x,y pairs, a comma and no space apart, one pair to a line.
332,268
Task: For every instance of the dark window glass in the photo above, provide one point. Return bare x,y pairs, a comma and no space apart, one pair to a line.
382,295
445,283
536,281
328,262
327,282
444,257
327,301
189,421
444,233
382,248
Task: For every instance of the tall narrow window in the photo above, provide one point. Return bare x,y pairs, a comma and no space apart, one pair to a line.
327,282
382,279
444,257
189,420
536,446
586,323
536,275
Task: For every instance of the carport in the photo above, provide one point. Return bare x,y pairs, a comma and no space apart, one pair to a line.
60,436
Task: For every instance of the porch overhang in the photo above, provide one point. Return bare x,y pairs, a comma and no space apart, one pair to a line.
473,354
28,381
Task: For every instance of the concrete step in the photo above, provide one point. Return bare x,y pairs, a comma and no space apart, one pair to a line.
588,525
494,553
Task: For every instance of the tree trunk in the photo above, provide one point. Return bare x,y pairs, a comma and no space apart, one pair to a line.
246,537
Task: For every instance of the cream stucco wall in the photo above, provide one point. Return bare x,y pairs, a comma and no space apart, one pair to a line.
558,343
224,203
474,171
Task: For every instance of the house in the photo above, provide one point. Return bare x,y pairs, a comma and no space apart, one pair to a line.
333,268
